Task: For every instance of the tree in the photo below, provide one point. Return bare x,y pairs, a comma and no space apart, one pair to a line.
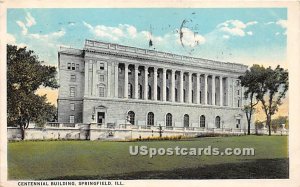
277,123
273,86
250,82
25,75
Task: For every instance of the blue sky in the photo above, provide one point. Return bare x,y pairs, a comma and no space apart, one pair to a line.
240,35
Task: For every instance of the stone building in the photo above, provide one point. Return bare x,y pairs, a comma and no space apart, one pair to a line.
112,84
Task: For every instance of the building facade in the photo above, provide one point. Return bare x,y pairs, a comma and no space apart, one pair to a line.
112,84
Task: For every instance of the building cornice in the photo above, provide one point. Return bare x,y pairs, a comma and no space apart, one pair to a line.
133,53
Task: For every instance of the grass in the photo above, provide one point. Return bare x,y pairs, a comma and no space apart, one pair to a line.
111,160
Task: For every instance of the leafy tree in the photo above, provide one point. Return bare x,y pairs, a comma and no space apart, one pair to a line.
276,123
267,86
26,74
250,82
273,86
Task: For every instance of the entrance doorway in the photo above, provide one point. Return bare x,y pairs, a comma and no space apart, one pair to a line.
101,118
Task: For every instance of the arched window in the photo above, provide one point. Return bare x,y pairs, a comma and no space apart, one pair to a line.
130,90
186,120
202,121
140,91
169,120
150,118
131,116
218,122
149,92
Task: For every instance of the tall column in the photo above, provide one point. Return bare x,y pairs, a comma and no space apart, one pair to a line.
108,80
242,96
86,78
136,81
221,90
145,83
126,82
233,94
181,86
173,86
155,84
205,89
198,88
116,80
164,85
94,79
213,88
227,89
190,96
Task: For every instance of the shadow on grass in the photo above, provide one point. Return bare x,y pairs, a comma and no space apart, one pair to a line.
252,169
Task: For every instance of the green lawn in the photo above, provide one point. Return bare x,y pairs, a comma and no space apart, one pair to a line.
111,160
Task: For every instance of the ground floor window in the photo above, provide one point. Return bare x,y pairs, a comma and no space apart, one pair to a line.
150,118
218,122
131,116
169,120
202,121
186,120
72,119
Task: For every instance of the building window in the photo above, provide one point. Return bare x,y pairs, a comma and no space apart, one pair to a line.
238,122
202,121
200,95
168,94
72,119
184,100
73,66
218,122
101,78
186,120
131,116
175,77
238,92
101,91
139,73
129,71
158,93
192,96
150,119
130,90
77,66
238,103
140,91
101,66
72,92
183,77
169,120
69,66
176,95
167,76
73,78
149,92
72,106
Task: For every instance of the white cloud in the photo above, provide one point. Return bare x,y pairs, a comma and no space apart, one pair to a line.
29,20
282,23
191,39
250,33
235,27
269,23
23,27
277,33
226,36
129,35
